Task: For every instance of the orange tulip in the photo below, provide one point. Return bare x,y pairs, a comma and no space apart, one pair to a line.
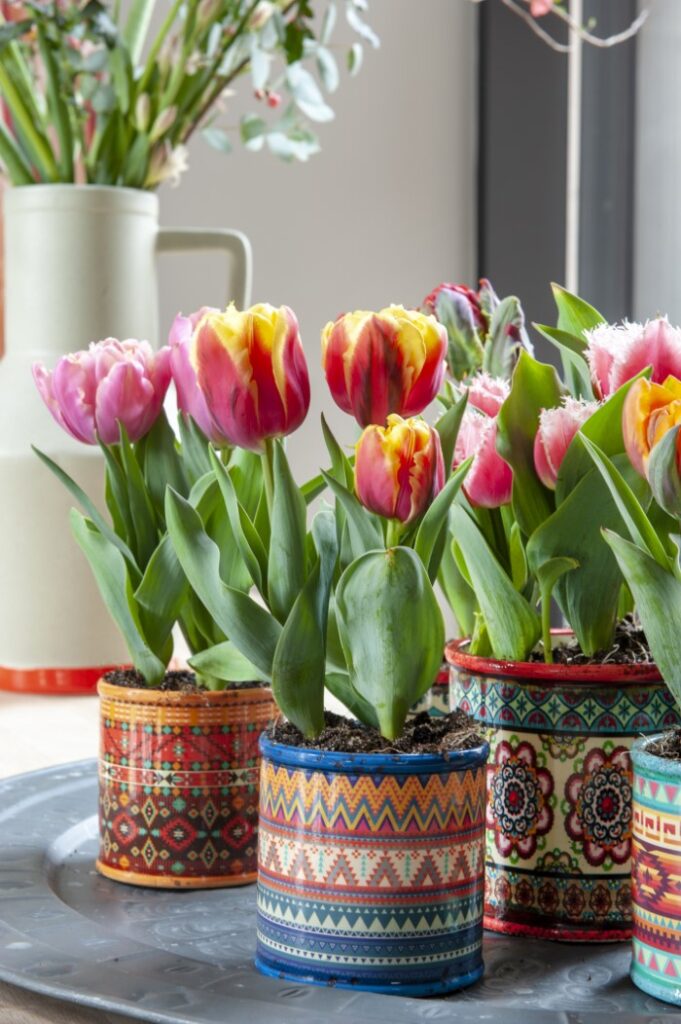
399,468
650,410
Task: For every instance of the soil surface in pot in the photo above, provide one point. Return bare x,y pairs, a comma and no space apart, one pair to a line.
422,735
629,647
177,681
668,745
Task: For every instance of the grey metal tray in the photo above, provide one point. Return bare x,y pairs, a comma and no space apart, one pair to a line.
186,958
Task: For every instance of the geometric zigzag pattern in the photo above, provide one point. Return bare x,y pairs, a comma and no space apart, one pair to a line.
374,878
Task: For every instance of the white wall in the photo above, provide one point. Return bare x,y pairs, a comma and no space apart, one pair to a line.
382,214
657,240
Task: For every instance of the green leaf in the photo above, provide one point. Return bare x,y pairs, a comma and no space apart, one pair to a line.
448,429
137,26
286,574
121,77
575,366
574,314
534,386
392,632
657,593
59,113
162,464
630,509
252,629
365,532
141,508
218,139
164,587
298,668
338,683
512,624
435,520
113,580
459,594
194,448
663,473
247,540
227,663
517,557
341,467
311,489
81,497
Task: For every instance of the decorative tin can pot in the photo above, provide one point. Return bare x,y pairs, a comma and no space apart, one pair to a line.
370,868
656,855
436,700
558,815
178,785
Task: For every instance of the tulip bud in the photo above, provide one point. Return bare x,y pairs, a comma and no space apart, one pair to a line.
487,393
618,352
207,12
142,112
489,481
382,363
90,392
163,123
399,468
557,427
250,371
458,309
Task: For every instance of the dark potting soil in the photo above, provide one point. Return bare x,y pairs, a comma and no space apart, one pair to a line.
175,681
668,745
422,735
629,647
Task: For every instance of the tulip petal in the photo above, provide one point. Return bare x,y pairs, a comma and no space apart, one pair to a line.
489,481
73,388
125,395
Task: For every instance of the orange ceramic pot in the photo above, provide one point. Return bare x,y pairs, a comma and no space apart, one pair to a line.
178,785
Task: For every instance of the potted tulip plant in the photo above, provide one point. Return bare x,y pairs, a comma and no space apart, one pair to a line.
648,558
561,708
178,774
370,850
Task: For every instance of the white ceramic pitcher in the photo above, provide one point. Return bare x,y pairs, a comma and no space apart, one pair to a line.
80,265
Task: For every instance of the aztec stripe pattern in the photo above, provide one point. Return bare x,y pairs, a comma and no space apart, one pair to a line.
559,786
436,700
178,786
656,961
374,880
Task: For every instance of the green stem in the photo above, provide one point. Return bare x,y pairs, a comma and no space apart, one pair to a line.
156,46
267,459
394,533
41,153
546,628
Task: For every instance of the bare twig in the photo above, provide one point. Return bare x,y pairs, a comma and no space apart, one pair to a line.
534,25
520,8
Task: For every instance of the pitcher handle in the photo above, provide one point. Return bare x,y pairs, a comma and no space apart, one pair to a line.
232,242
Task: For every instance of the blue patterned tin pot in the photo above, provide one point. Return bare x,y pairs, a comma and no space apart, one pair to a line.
656,856
559,788
370,870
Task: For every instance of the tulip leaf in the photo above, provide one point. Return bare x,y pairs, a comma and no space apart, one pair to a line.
458,591
548,574
117,498
663,472
575,315
311,489
338,683
245,469
141,508
575,366
364,531
252,629
341,467
226,662
245,535
111,574
162,464
517,557
435,521
93,512
511,623
657,593
194,448
164,587
298,668
448,429
392,632
630,509
534,386
287,561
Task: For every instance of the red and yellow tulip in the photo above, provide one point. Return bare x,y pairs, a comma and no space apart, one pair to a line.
399,468
382,363
250,370
650,410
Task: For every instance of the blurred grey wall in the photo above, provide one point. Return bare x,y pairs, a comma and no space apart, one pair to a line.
385,211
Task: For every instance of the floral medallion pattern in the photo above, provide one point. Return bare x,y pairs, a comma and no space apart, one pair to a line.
600,806
518,803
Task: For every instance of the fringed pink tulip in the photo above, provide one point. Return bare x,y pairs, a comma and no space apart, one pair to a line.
90,392
489,481
618,352
250,371
382,363
557,427
399,468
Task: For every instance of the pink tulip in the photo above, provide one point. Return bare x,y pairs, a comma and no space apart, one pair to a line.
618,352
557,427
190,399
90,392
489,481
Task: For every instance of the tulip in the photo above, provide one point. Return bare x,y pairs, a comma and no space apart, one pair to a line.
489,481
466,300
557,427
399,468
650,410
382,363
90,392
618,352
249,369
